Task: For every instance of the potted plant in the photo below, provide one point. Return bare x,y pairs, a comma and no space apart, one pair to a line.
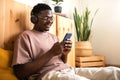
57,7
83,26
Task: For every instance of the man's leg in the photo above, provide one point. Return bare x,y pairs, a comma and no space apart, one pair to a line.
67,74
106,73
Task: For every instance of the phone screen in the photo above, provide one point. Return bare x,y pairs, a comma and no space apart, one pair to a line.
67,36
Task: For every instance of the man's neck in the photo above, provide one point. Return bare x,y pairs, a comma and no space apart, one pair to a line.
36,29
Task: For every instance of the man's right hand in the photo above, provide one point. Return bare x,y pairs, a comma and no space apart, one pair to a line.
56,49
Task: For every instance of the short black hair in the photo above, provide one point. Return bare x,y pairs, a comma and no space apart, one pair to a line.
40,7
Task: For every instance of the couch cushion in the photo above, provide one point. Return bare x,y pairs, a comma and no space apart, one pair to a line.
7,74
5,58
6,71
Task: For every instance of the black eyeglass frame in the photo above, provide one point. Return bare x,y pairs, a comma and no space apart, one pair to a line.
46,18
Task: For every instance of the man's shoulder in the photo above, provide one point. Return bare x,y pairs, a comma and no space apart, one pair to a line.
25,33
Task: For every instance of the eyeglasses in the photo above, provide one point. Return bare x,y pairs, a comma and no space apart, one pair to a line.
46,18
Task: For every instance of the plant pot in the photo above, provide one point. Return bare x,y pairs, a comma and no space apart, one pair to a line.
58,9
83,49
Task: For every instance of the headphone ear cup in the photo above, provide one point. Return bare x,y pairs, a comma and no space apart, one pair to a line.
34,19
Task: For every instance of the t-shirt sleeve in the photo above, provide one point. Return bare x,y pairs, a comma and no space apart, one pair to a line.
22,50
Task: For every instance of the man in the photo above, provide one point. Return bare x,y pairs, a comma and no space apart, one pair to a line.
36,51
38,55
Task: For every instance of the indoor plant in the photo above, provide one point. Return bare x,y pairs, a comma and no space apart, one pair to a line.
57,7
83,26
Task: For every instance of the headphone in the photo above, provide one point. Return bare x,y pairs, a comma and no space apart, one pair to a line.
34,18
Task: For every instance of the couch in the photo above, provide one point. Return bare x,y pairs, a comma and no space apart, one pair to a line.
6,71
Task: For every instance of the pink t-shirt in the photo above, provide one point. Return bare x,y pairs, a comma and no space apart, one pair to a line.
32,44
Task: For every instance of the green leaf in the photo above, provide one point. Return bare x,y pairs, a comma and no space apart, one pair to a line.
83,24
57,1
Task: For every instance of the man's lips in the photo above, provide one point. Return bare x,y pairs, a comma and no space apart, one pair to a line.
48,26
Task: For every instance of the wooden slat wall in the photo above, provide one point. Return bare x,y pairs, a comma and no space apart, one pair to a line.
53,27
65,25
2,22
14,18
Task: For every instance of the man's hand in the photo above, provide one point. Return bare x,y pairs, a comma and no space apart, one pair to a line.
56,49
67,45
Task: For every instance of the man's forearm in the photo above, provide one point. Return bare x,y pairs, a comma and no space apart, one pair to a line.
64,58
25,70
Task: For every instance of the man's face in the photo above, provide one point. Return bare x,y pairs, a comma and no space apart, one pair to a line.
45,20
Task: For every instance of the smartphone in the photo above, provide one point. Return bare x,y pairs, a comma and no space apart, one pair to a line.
67,36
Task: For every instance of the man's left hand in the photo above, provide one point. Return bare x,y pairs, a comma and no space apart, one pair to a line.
67,45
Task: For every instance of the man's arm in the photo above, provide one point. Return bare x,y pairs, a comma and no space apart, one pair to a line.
23,71
64,58
66,46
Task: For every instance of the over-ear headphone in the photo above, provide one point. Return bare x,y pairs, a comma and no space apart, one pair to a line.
37,9
34,18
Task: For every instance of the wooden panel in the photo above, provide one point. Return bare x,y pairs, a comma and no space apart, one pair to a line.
92,61
65,25
90,64
89,59
17,21
53,27
2,21
14,19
